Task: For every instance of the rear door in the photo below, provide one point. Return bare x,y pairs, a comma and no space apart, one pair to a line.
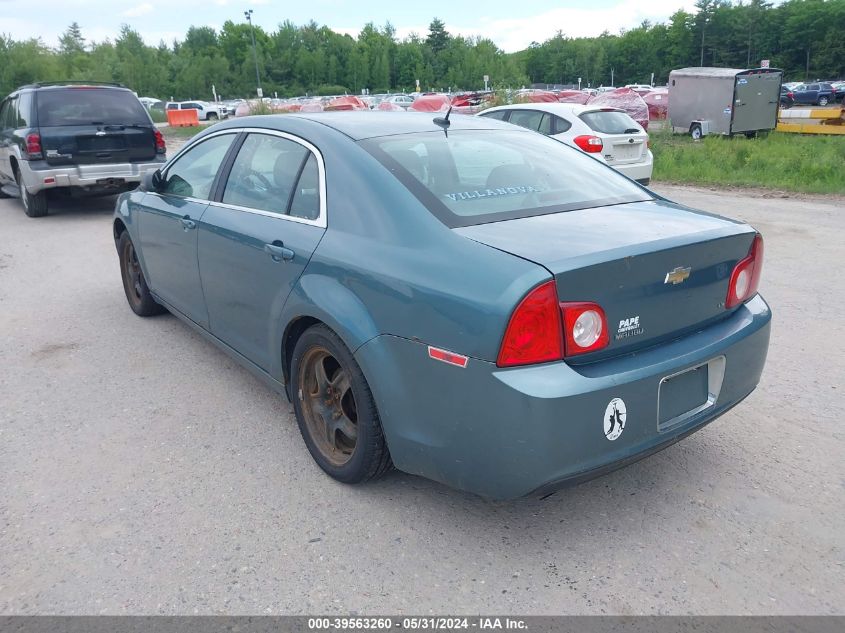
85,125
5,140
257,238
756,102
169,218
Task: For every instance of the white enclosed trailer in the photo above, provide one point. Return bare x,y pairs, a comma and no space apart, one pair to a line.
724,100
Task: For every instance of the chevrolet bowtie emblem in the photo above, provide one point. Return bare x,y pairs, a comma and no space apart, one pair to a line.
677,276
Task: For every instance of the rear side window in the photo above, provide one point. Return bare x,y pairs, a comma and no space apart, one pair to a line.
499,115
87,106
473,177
193,173
530,119
561,125
610,122
24,110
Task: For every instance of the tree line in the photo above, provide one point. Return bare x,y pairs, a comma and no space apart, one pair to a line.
804,37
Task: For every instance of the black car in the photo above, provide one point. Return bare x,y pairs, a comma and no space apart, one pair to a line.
91,138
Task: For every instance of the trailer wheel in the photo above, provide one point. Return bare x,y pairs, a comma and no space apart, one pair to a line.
695,132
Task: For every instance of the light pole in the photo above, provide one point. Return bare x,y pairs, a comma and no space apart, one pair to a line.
248,15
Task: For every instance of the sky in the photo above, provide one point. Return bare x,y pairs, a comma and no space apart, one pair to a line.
511,25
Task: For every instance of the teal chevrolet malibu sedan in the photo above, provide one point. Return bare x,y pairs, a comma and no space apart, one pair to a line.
457,297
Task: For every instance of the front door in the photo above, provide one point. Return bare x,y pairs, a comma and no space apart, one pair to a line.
256,241
168,226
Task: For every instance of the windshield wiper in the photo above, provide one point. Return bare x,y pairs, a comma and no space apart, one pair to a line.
631,130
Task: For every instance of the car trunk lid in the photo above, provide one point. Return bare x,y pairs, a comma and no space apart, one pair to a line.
657,269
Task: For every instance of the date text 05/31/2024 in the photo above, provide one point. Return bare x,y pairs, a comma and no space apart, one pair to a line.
416,623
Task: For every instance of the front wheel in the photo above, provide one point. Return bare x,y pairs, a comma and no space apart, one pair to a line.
211,116
134,285
335,409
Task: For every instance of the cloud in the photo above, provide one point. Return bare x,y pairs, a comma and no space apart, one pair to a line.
139,10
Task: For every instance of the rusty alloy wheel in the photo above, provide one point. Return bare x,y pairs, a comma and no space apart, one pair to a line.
132,274
328,405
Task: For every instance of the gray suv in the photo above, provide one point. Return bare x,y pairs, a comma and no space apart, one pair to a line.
94,139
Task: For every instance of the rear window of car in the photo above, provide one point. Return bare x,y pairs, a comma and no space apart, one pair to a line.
475,177
610,122
86,106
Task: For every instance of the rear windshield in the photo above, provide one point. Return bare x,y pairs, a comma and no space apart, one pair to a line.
86,106
610,122
478,176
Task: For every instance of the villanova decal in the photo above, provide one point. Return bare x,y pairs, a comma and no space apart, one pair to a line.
490,193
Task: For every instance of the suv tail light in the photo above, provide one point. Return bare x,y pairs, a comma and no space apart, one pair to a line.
790,95
584,328
589,143
161,146
533,334
745,277
33,146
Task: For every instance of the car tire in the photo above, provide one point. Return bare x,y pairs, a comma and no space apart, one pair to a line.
695,132
134,285
211,116
823,101
335,409
35,206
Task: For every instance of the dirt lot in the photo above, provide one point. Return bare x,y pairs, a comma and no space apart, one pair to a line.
145,472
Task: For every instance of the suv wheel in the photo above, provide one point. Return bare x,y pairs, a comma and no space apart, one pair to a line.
35,206
823,101
211,116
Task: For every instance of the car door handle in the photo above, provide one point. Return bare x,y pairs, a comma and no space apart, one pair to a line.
188,223
278,252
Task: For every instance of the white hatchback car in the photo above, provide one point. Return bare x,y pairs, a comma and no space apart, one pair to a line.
606,134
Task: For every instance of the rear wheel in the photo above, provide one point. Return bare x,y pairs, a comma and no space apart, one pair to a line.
335,409
695,132
35,206
823,101
134,285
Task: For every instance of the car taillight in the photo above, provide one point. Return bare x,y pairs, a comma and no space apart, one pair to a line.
589,143
33,146
161,146
584,328
534,333
745,277
790,95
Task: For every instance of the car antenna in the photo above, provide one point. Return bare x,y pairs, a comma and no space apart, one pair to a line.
443,121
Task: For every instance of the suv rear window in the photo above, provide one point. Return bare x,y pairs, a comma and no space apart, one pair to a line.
474,177
85,106
610,122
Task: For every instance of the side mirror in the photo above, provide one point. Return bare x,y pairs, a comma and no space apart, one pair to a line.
151,181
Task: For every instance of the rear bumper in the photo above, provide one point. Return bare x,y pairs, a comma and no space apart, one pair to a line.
505,433
641,172
106,176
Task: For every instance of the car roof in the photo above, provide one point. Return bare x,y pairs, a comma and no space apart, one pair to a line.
370,124
574,109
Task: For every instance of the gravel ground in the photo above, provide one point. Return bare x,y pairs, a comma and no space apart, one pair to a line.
144,472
